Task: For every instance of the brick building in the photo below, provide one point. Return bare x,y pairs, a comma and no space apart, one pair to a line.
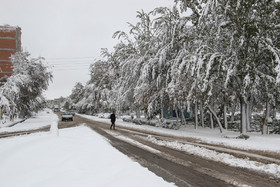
10,42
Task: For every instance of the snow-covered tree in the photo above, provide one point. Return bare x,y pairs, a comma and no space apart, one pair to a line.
97,94
22,93
229,52
239,35
77,93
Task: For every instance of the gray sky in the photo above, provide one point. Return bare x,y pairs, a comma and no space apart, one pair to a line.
70,33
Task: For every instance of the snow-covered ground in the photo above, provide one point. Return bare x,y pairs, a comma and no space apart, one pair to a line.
77,157
80,157
39,120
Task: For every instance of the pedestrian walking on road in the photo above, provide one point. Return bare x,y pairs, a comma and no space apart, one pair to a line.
113,120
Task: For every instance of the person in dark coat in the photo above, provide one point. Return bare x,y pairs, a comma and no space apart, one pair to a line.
113,120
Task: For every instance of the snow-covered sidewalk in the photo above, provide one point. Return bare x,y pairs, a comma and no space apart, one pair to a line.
77,157
41,119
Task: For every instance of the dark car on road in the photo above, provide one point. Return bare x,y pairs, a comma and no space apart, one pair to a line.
67,116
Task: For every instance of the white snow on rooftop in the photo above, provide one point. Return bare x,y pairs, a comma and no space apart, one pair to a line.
8,27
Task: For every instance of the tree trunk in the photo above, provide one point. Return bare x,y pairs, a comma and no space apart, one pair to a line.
162,105
248,116
182,115
215,115
225,116
146,113
243,116
137,112
177,115
274,112
267,110
275,104
233,108
191,111
202,115
267,115
211,120
196,115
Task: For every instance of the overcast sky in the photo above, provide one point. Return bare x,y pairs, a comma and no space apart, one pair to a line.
70,33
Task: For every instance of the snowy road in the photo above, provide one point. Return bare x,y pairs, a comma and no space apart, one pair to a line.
186,168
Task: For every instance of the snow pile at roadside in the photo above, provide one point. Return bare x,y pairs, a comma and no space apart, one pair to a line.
41,119
6,122
228,159
77,157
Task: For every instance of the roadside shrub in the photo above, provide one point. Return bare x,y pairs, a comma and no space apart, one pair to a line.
243,136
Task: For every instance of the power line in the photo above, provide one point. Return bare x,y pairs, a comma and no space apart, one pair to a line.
69,65
83,66
71,68
69,58
72,63
66,65
76,60
69,61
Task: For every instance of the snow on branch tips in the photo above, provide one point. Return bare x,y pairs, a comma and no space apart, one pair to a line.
19,95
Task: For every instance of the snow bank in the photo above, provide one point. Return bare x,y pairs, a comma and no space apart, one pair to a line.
41,119
272,169
77,157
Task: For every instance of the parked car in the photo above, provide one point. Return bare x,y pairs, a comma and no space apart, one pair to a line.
56,110
66,116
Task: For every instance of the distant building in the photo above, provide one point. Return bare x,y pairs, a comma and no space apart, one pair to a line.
10,43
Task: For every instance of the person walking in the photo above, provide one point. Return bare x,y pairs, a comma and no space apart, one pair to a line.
113,120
